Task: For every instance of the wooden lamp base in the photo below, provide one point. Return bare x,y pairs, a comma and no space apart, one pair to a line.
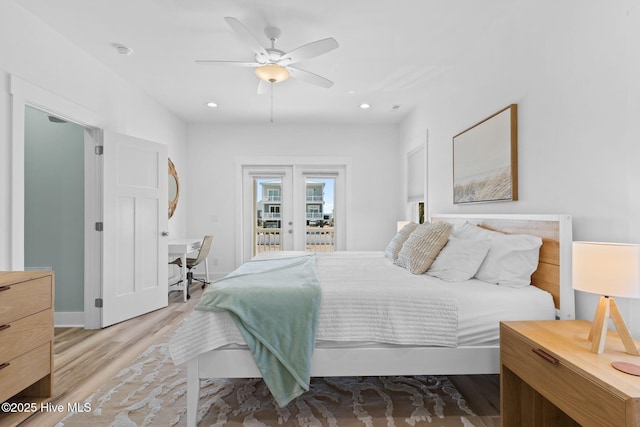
607,308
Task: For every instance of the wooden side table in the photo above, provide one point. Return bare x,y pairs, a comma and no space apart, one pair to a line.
549,377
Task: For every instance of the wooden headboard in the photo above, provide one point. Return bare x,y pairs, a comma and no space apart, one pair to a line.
554,265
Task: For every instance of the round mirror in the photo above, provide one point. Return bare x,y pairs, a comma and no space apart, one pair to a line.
174,188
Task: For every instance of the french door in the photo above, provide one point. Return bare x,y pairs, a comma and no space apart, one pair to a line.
291,207
267,209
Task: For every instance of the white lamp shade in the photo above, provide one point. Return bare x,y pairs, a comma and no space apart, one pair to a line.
610,269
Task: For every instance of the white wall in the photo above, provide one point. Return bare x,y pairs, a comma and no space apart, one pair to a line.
572,67
32,51
214,151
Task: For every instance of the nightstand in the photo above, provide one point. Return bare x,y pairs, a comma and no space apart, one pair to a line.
549,377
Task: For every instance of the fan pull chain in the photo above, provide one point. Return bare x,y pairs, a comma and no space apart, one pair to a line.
271,102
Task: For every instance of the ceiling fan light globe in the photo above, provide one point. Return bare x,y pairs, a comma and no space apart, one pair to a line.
272,73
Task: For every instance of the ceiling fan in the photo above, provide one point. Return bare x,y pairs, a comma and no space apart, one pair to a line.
273,65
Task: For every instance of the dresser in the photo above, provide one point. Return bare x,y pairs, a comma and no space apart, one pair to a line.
549,377
26,333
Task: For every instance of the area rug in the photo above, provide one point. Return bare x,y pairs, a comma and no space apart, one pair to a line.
152,392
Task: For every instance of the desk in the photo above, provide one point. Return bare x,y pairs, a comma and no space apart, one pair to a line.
181,248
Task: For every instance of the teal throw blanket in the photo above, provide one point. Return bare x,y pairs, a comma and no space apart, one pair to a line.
275,305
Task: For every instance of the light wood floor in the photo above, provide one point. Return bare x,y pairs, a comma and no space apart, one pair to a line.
482,393
86,359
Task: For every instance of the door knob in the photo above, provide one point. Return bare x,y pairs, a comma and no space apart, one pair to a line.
165,233
290,231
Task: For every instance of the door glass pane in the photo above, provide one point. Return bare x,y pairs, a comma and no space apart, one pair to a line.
267,219
319,214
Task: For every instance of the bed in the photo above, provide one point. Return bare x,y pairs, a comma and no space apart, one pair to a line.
210,354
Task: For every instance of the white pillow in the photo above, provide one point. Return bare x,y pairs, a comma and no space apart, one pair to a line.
512,258
473,232
459,260
422,247
396,243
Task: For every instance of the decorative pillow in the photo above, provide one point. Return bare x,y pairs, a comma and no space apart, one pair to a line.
422,247
512,258
459,260
396,243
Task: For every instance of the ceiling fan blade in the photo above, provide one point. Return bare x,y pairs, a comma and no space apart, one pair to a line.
245,36
309,77
233,63
308,51
263,87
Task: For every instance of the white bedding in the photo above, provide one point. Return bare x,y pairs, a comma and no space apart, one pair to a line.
354,286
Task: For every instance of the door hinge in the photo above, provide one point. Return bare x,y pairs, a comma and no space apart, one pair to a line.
99,302
99,226
99,150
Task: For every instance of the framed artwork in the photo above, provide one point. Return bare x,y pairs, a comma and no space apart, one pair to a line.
485,159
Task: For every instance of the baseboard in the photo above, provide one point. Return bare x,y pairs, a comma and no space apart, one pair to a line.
68,319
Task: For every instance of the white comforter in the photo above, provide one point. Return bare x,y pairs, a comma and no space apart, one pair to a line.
366,299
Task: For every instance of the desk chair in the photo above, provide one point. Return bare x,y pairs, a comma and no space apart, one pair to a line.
203,252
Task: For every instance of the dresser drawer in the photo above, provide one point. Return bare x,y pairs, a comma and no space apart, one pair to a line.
25,334
582,399
25,370
19,300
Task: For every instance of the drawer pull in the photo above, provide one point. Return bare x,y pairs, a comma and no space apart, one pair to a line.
545,356
4,288
3,327
4,365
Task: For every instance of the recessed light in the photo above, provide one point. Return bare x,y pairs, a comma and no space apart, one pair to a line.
122,50
212,104
364,106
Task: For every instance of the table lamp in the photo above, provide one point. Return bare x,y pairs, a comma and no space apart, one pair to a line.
610,270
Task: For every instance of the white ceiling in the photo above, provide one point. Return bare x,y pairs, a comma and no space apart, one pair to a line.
389,53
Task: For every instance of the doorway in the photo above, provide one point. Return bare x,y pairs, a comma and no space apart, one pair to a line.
119,164
54,208
27,95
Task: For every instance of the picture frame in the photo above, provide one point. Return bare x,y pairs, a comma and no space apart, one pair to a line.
485,159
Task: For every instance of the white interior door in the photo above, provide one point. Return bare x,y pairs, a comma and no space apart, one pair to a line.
134,266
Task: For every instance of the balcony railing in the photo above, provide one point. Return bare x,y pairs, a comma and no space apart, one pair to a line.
317,239
314,215
314,198
272,199
267,239
271,215
320,239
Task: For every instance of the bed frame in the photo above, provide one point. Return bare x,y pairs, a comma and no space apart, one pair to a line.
553,275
